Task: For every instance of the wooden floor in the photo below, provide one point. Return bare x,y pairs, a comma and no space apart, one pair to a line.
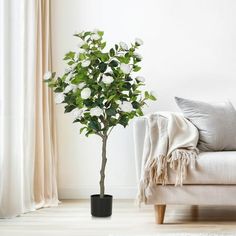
72,217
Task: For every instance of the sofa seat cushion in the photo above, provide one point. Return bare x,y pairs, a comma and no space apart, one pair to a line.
211,168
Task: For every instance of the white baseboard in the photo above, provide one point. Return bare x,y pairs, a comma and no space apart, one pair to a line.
118,192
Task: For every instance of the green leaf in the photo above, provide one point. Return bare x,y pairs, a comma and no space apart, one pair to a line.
111,111
70,63
135,104
89,132
88,102
139,112
102,67
58,90
100,33
136,68
124,120
127,86
153,98
95,125
82,129
112,52
103,45
69,108
116,47
69,55
111,97
113,63
82,56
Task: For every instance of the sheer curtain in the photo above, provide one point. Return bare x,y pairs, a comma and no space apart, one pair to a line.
27,123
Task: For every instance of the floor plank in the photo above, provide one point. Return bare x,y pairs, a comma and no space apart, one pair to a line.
73,217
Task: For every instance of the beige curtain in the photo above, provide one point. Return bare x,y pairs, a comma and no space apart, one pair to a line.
45,181
28,147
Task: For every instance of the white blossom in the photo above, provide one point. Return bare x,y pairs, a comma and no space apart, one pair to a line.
106,79
68,70
85,63
76,57
126,106
123,46
68,88
80,43
125,68
96,111
119,102
77,113
47,75
139,41
81,85
140,79
59,97
95,36
81,50
73,66
86,93
137,55
68,78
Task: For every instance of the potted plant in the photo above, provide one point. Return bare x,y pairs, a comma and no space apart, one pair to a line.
100,88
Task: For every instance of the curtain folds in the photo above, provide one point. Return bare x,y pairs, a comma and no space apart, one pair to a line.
28,148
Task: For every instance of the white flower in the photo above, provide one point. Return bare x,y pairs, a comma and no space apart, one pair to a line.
96,111
81,50
124,46
119,102
106,79
140,79
139,41
137,55
76,57
85,63
95,36
77,113
47,75
125,68
68,78
85,93
59,97
68,88
81,85
68,70
125,92
126,106
80,43
73,66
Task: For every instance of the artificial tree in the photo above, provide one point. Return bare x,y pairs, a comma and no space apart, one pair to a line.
100,87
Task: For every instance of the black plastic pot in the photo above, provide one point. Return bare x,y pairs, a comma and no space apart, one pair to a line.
101,207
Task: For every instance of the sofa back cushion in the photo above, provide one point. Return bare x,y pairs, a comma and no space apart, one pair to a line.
216,123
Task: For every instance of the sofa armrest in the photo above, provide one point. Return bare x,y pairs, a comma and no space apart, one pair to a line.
139,136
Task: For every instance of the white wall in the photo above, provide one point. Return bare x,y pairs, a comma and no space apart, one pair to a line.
189,51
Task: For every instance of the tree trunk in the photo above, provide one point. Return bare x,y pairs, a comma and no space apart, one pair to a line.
104,161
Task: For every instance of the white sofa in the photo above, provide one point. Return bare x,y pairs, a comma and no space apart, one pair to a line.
213,182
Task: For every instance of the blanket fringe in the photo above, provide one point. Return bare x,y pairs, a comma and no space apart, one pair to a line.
156,170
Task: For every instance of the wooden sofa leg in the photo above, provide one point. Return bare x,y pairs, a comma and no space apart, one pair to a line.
159,213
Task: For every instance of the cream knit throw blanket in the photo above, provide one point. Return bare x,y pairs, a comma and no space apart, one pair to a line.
170,142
